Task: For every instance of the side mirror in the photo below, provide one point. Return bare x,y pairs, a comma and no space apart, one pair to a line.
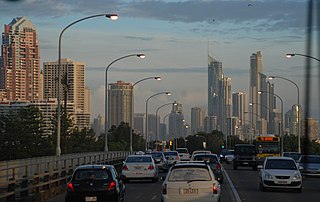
260,167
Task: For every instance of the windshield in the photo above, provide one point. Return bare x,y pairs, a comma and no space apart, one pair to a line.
280,164
295,156
189,174
207,158
268,147
249,150
182,150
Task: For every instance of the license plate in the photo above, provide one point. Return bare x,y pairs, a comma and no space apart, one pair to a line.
190,191
245,163
91,198
137,167
282,182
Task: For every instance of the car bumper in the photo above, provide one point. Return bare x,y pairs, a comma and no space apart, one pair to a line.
310,173
140,175
289,185
197,198
82,196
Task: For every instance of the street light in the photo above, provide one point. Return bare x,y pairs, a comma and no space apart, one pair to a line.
147,78
157,130
112,17
298,99
147,135
290,55
106,115
281,129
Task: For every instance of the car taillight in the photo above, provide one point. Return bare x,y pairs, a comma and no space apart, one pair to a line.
218,166
177,157
215,189
164,189
112,186
151,167
124,167
70,187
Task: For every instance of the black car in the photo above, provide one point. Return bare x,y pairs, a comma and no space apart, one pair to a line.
244,155
95,183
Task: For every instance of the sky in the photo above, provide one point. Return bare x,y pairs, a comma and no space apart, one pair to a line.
175,36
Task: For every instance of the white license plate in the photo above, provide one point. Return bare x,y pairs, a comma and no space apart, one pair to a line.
282,182
189,191
91,198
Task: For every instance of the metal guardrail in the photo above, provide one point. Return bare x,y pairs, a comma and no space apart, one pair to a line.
38,179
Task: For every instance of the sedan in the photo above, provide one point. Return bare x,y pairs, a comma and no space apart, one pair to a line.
172,157
190,181
310,165
161,160
95,183
140,167
280,173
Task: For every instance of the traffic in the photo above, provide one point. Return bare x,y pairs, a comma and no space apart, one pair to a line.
200,176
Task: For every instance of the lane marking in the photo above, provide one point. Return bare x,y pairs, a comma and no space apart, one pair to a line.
233,189
154,197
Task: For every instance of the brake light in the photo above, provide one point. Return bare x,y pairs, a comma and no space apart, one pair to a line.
70,187
124,167
164,189
112,186
177,157
218,166
215,189
151,167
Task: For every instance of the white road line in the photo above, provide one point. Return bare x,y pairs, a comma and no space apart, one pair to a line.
233,189
154,197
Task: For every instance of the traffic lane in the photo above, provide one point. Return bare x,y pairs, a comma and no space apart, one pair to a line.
246,181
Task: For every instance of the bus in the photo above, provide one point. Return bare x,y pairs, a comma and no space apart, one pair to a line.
267,145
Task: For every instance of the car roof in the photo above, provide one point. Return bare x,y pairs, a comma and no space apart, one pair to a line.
140,155
98,166
279,158
239,145
205,154
190,164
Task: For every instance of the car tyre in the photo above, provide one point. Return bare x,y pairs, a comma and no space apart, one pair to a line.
299,190
262,188
235,167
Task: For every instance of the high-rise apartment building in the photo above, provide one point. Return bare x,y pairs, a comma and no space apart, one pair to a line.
139,123
210,124
239,106
87,100
176,121
226,103
214,77
20,75
313,128
120,103
197,120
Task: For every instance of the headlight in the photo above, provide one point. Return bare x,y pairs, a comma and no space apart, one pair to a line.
296,176
267,176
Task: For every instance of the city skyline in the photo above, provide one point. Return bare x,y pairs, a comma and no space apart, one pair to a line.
175,45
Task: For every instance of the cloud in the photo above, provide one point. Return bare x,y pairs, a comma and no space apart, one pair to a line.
138,38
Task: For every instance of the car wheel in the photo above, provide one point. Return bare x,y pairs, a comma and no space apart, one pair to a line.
235,166
299,190
262,188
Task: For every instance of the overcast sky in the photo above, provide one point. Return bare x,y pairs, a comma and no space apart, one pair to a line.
174,35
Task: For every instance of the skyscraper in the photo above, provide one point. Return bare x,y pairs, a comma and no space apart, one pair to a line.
214,76
197,120
120,103
20,75
239,106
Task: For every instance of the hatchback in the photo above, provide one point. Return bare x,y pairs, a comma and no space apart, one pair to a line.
190,181
95,183
280,173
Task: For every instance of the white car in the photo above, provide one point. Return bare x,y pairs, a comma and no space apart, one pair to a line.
199,152
140,167
280,173
229,156
190,181
183,153
172,157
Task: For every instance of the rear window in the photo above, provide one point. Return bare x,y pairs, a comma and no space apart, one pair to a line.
136,159
91,174
189,174
171,153
281,164
157,155
208,158
182,150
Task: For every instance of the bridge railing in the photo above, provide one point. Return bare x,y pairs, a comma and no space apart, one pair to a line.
38,179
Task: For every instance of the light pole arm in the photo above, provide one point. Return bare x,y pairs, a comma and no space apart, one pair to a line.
152,77
157,130
308,56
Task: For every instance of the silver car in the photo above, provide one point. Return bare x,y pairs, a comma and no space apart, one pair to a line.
310,165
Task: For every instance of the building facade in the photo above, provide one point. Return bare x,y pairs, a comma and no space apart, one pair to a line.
197,120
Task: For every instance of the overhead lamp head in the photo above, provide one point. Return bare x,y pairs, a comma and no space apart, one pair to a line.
141,55
168,93
259,92
290,55
250,104
158,78
112,16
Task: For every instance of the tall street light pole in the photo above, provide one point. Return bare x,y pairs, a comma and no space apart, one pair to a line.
112,17
290,55
131,121
298,102
147,135
164,122
106,115
281,128
157,127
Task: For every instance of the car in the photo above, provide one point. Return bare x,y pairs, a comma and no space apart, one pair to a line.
295,155
199,152
95,183
161,160
222,155
172,157
229,156
280,173
309,165
140,167
214,163
183,153
190,181
244,155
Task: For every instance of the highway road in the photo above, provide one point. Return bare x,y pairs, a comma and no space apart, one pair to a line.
246,184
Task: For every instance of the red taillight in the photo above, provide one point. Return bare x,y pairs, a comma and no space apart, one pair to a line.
177,157
164,189
124,167
112,185
218,166
70,187
215,190
151,167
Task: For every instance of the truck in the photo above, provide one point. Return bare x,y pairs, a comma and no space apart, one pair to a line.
245,156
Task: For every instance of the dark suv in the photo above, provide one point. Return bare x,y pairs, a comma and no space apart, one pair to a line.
95,183
245,155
